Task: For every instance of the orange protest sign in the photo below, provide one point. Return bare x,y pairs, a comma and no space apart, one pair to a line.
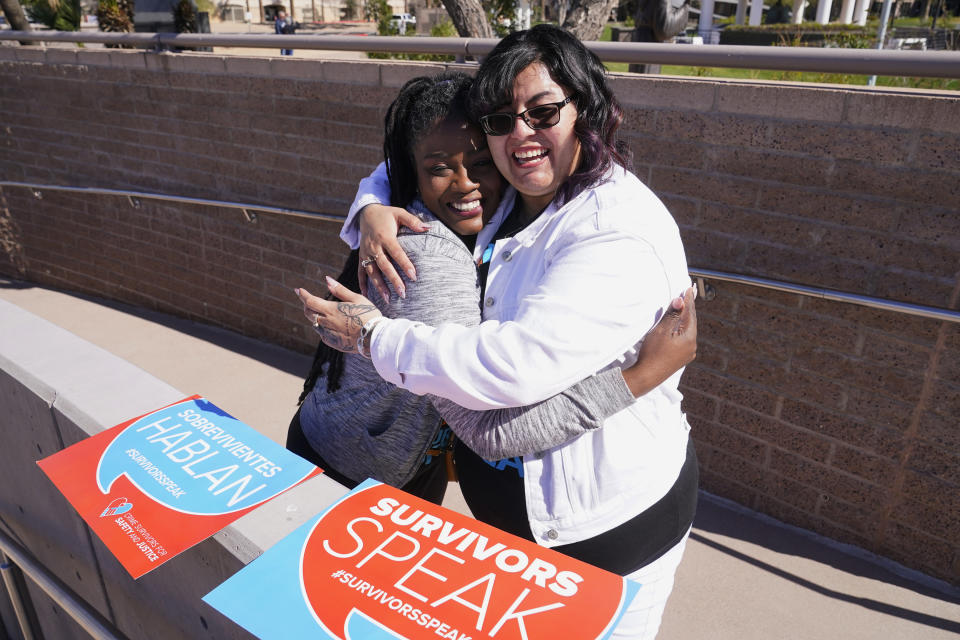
381,563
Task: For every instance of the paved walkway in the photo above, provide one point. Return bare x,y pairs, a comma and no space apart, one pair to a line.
358,29
744,576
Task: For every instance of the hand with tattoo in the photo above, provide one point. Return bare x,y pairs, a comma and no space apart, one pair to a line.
338,322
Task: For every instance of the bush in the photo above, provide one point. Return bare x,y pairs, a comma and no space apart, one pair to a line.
62,15
379,11
115,16
803,26
444,29
806,34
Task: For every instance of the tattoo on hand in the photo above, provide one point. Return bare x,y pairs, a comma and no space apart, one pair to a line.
355,311
334,340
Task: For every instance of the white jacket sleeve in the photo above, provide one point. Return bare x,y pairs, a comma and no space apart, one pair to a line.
601,290
374,189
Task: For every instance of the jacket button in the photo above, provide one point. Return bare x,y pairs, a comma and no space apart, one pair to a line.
507,256
489,302
552,534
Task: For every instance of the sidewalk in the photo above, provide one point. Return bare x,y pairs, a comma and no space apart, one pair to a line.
358,29
744,576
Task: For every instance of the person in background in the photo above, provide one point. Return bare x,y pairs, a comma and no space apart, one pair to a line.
283,26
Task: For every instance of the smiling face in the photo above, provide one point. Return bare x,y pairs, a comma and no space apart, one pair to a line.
537,161
456,176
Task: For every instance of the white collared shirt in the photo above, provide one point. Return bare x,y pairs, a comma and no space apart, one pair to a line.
567,296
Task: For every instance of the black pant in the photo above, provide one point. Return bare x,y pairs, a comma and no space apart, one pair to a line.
429,482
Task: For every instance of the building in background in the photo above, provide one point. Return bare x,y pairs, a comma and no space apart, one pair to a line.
302,10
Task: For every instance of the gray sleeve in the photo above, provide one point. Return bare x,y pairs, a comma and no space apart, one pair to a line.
446,290
519,431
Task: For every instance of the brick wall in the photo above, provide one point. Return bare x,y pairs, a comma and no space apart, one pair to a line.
834,417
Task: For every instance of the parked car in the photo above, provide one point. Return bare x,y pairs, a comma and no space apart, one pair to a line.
399,21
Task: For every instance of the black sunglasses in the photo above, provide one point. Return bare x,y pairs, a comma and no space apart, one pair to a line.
542,116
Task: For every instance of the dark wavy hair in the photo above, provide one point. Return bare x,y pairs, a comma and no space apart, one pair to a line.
578,70
421,103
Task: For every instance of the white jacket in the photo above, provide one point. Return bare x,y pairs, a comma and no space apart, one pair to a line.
565,297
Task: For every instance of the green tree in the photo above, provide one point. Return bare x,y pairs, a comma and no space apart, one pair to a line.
115,16
502,15
378,11
443,29
62,15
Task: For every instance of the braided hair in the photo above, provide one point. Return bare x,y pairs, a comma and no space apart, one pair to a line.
329,356
422,103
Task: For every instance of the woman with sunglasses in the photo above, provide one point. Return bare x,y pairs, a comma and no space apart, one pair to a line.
579,260
352,423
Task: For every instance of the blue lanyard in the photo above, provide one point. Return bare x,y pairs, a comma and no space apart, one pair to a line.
487,254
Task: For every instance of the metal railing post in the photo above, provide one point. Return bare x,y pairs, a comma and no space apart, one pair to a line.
12,581
82,613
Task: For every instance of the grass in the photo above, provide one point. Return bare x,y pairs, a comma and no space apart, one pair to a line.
943,22
947,84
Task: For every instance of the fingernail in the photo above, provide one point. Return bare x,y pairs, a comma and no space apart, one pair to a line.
331,283
296,292
412,274
403,292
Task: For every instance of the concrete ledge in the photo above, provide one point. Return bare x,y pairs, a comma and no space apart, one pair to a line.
396,73
31,54
62,56
127,59
348,72
57,389
667,93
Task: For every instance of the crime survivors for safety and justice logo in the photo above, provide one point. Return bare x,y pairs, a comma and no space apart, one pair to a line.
381,564
155,485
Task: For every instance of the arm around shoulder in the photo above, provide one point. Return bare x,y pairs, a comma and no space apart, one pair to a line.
518,431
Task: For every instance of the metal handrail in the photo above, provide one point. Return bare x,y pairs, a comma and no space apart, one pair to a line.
934,64
934,313
85,616
246,208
